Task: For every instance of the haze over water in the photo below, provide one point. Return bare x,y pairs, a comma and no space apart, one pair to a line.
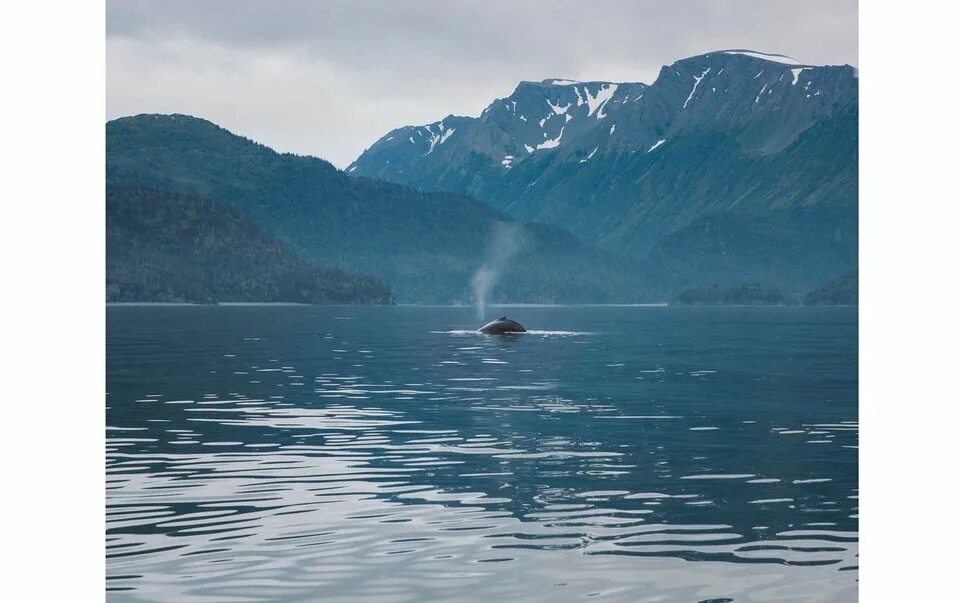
391,454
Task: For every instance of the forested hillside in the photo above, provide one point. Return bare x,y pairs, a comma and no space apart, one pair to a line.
169,247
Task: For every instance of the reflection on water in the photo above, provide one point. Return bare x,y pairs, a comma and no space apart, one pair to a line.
392,454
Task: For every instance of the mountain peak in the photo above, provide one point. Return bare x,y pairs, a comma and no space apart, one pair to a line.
754,55
763,56
191,133
563,83
167,117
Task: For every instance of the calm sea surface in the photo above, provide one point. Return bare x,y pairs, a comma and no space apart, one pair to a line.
391,454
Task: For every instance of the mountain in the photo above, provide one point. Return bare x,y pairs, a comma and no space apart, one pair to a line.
426,246
841,291
467,155
167,247
731,167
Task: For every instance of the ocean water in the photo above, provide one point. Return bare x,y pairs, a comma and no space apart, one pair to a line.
391,454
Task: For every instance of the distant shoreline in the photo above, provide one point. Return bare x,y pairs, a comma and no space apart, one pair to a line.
506,305
177,304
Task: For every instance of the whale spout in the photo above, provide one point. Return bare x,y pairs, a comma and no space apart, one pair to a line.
502,325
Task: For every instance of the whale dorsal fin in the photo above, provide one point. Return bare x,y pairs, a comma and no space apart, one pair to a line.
503,318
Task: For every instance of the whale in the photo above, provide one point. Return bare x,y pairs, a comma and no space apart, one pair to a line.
501,325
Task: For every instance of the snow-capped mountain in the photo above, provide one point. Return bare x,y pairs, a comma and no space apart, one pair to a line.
743,158
537,116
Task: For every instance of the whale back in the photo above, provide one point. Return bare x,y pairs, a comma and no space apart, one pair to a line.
502,325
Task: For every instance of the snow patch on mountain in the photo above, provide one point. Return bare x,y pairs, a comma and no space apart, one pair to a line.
551,143
588,157
440,138
558,109
759,94
697,79
773,58
596,101
796,74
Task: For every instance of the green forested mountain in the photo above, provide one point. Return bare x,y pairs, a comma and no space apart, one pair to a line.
426,246
169,247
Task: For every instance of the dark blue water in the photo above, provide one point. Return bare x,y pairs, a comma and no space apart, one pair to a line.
390,454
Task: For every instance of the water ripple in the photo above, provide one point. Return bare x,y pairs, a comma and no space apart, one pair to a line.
403,465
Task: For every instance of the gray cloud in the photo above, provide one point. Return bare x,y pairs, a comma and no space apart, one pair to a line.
328,78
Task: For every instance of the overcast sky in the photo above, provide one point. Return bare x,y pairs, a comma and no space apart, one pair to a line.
328,78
